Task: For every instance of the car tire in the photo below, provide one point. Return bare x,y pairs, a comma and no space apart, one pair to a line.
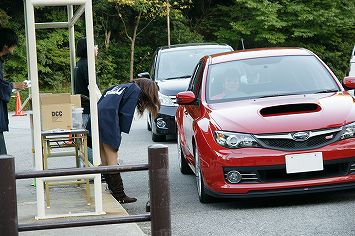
157,137
201,190
184,167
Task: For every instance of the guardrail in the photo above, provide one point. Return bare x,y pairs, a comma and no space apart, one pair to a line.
158,188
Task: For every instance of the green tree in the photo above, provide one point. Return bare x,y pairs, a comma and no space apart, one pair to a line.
182,31
325,27
4,18
132,12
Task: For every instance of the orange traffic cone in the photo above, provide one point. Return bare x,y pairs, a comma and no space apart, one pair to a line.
18,105
70,139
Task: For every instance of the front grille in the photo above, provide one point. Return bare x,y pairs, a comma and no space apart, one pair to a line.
278,175
290,144
173,98
283,141
352,168
249,178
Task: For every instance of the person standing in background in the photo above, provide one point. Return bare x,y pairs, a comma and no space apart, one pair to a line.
81,82
81,77
8,43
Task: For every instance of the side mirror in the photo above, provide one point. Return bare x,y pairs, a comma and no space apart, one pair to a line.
144,75
349,82
185,98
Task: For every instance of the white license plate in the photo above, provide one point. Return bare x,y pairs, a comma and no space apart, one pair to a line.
297,163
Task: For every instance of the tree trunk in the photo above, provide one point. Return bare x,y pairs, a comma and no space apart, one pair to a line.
133,42
107,38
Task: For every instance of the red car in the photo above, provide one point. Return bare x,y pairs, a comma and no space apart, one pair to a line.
266,122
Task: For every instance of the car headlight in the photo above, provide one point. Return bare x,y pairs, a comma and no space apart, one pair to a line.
235,140
348,131
165,100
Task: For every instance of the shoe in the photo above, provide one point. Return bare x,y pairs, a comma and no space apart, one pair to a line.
124,199
115,185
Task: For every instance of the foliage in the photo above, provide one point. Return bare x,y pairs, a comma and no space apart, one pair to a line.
4,18
326,27
53,59
181,30
138,10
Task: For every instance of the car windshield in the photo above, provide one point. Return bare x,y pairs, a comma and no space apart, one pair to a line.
267,77
181,63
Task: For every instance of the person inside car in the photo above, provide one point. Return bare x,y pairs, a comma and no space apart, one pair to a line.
231,86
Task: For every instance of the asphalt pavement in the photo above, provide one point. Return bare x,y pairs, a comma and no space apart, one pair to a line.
65,199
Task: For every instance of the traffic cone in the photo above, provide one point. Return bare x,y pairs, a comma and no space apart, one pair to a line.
18,105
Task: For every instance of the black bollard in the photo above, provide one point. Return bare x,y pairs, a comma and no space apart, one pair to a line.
159,190
8,200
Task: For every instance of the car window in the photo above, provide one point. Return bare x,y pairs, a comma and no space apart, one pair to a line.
181,63
195,82
152,70
270,76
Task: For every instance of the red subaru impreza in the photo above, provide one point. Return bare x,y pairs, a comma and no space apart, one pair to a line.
266,122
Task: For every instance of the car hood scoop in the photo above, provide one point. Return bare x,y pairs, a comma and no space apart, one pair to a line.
288,109
284,114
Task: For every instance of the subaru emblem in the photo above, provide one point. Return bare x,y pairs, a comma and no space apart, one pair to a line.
300,136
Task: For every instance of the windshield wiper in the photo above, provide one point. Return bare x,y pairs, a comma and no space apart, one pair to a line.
278,95
327,91
178,77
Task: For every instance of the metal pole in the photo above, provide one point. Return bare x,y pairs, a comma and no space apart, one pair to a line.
32,51
168,20
82,223
70,9
89,25
8,201
80,171
159,190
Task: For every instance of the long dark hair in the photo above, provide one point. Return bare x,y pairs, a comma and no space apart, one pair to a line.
149,98
8,38
81,48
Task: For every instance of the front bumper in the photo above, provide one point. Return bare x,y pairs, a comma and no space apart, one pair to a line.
269,169
285,192
166,116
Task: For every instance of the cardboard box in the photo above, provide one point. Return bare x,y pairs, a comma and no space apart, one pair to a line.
56,111
75,100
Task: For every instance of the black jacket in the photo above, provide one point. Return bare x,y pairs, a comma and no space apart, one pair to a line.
5,94
81,82
115,112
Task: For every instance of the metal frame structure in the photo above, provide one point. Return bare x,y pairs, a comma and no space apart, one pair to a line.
158,170
30,27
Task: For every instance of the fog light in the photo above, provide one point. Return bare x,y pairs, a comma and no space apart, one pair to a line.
161,124
234,177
